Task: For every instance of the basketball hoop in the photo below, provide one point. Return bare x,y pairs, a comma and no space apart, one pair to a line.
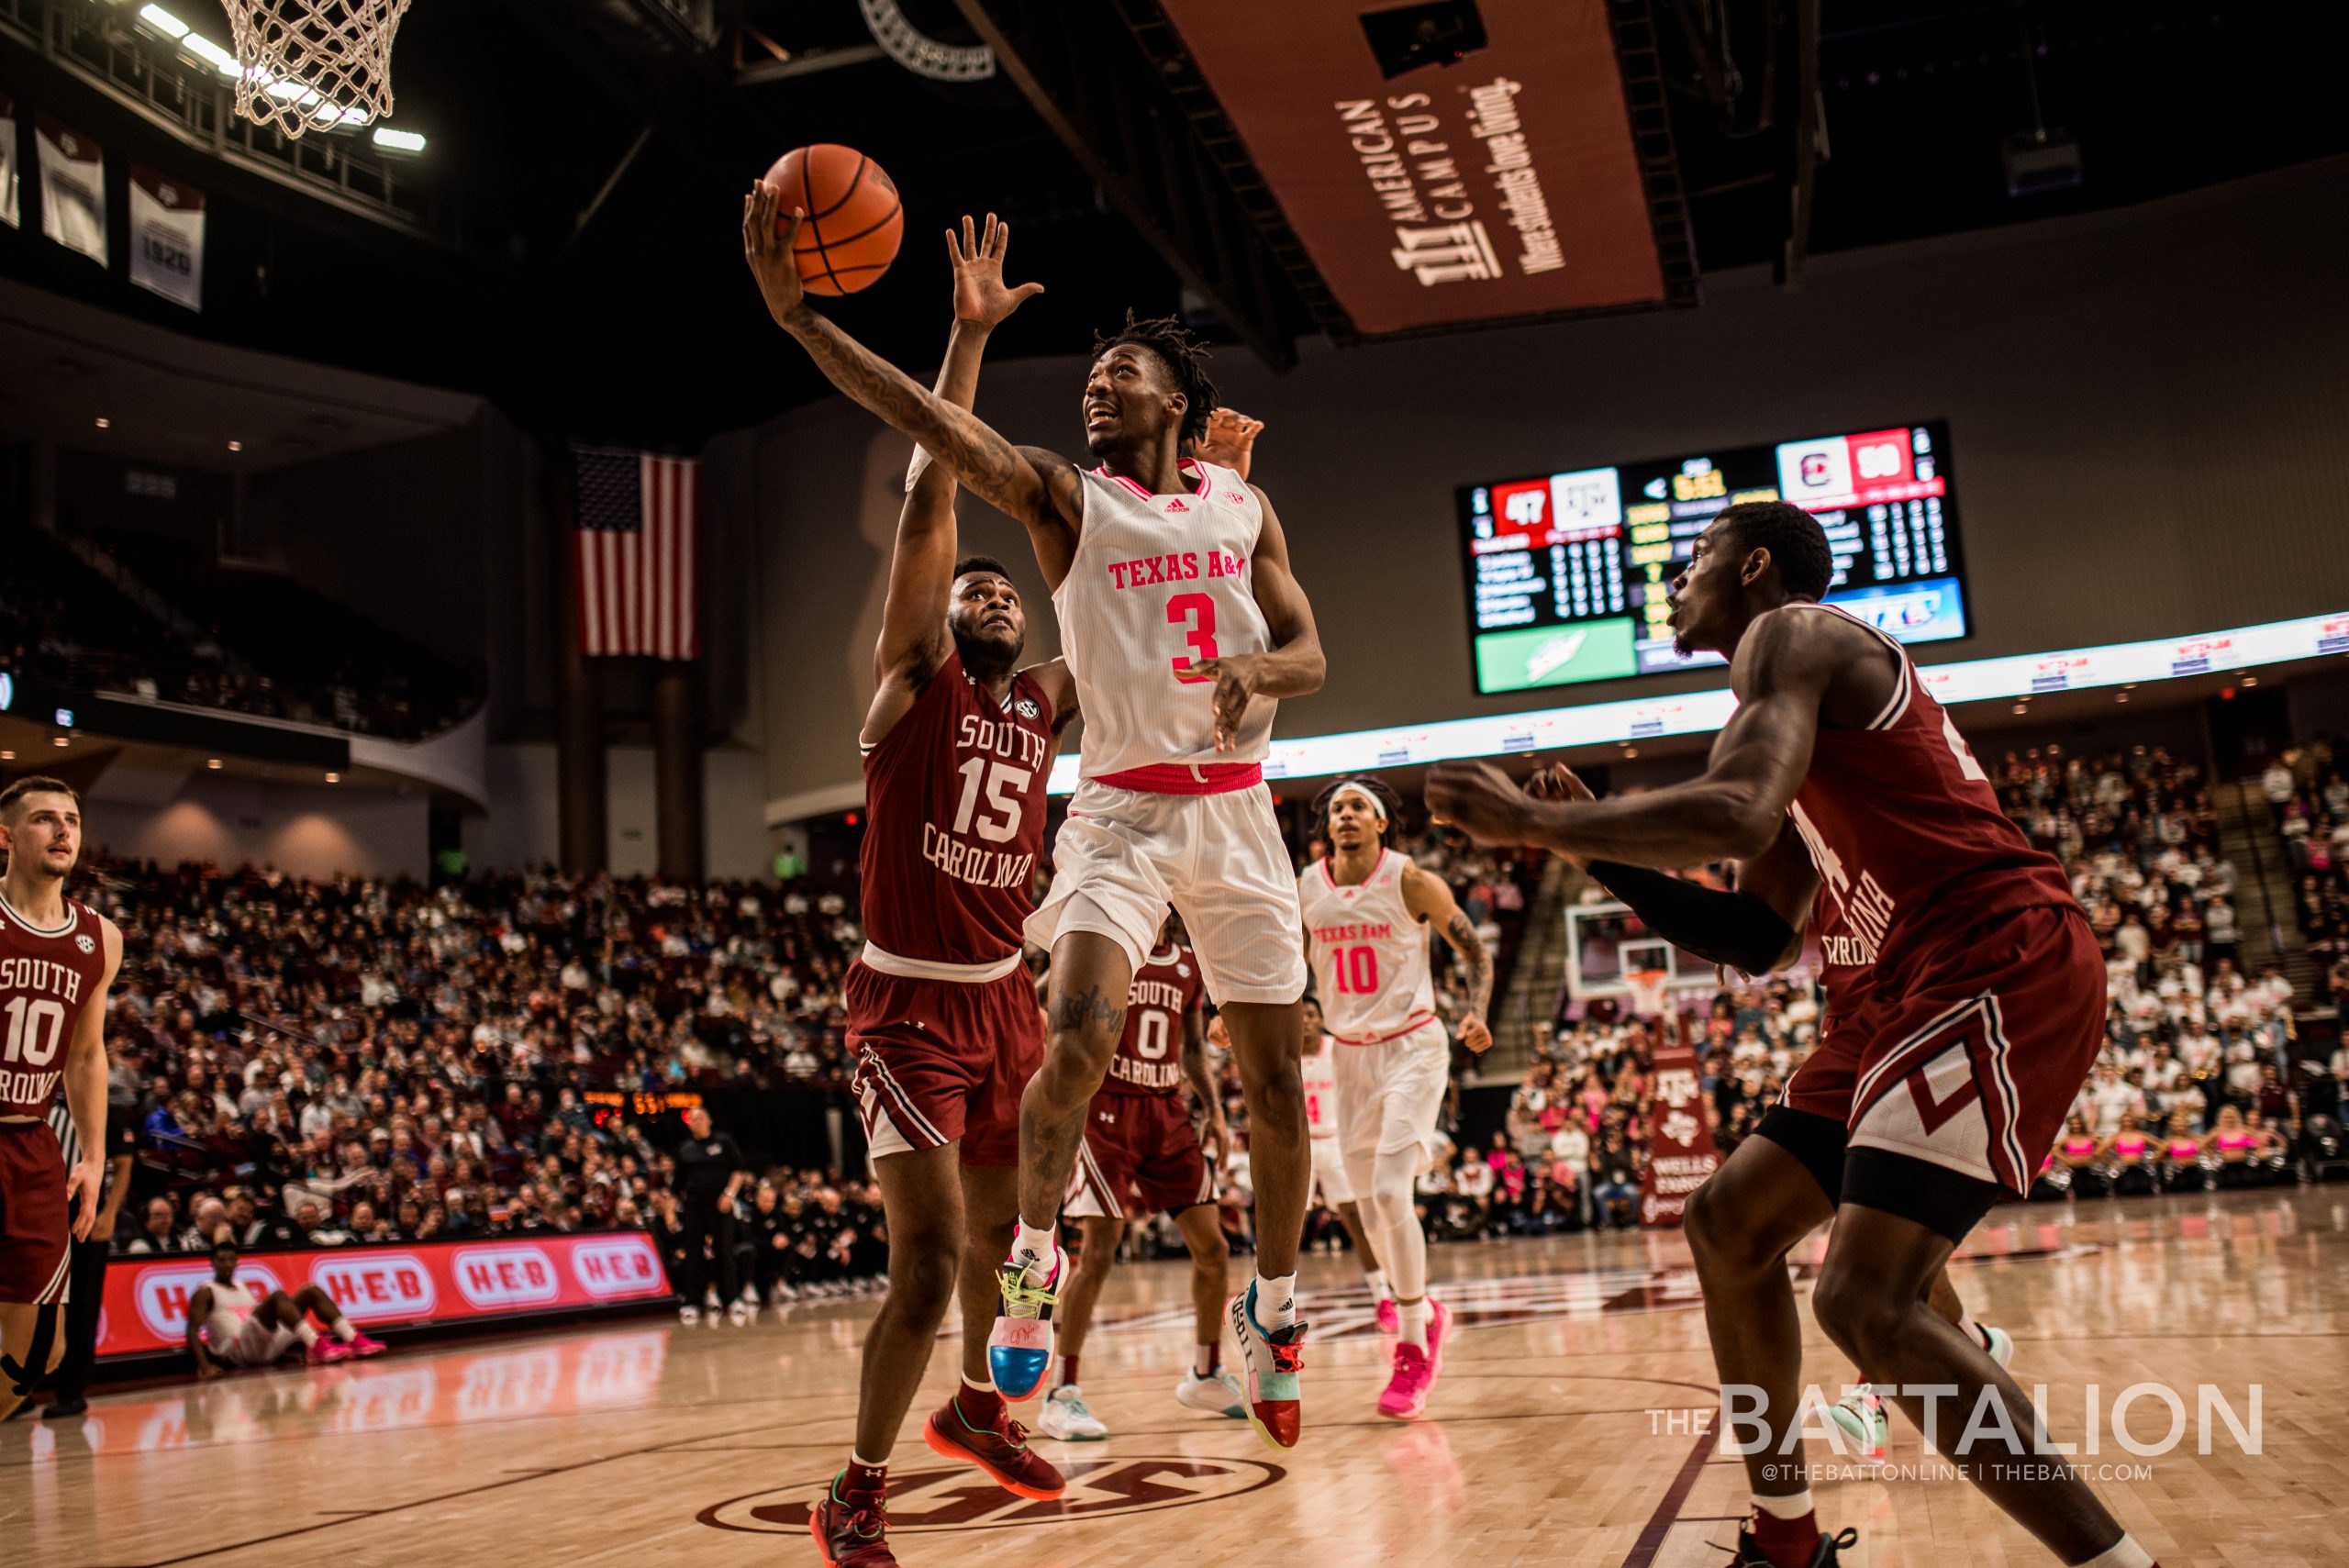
1647,988
314,64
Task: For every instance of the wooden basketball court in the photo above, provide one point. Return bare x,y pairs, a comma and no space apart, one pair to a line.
1564,1436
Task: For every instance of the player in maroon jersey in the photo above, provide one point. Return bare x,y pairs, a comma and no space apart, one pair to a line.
58,958
1964,993
942,1019
1141,1144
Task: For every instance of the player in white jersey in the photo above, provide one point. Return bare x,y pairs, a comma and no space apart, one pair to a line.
1319,1072
1366,912
1183,625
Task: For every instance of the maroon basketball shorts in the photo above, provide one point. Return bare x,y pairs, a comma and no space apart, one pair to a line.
1140,1153
35,1234
1970,1063
942,1060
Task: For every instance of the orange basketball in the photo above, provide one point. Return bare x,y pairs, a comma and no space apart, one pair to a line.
854,218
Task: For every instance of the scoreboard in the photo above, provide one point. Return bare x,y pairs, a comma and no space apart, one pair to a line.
1567,573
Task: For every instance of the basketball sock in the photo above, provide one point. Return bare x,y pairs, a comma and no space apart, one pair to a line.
1970,1328
344,1329
1276,1301
1068,1372
303,1333
2122,1554
1784,1529
978,1403
1206,1359
1415,1316
1379,1289
861,1477
1039,1249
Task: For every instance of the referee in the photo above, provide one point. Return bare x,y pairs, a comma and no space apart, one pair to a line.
86,1289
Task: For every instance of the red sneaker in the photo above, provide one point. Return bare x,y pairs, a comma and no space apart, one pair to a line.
360,1345
325,1352
851,1529
1000,1450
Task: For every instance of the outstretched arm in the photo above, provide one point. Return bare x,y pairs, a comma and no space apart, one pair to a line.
1732,812
921,572
1754,929
85,1090
1293,666
1426,895
1041,489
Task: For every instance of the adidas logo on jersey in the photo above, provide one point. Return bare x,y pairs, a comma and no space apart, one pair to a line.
1176,504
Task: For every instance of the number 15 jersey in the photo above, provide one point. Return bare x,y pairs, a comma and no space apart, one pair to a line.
1158,584
1369,953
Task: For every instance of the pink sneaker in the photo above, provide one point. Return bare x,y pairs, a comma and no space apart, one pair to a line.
1390,1316
325,1352
1406,1396
360,1345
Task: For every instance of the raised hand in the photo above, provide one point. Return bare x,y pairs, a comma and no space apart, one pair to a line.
980,297
1558,782
766,246
1230,440
1480,800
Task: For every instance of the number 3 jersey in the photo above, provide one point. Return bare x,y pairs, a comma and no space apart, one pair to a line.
1167,989
47,977
1369,953
1158,584
1911,848
956,795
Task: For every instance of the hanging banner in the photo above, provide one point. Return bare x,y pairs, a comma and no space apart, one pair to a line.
9,163
1681,1155
166,237
73,188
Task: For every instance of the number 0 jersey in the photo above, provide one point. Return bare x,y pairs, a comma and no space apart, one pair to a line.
1908,841
1159,582
1369,953
47,977
956,793
1167,989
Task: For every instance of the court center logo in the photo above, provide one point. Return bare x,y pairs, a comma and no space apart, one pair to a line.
934,1501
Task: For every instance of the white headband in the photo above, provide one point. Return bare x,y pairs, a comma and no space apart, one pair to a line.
1376,806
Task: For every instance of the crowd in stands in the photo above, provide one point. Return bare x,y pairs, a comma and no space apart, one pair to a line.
361,1059
246,640
2310,797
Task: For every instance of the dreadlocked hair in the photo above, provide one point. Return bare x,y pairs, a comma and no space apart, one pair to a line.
1184,356
1390,805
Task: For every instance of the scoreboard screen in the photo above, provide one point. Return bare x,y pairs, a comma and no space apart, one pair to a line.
1567,572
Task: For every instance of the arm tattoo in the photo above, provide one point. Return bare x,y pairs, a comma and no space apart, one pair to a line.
979,457
1471,949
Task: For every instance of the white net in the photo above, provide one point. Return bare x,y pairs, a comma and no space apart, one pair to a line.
314,64
1648,988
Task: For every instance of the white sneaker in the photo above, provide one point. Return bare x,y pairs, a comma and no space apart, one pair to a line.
738,1315
689,1315
1065,1416
1218,1392
1860,1418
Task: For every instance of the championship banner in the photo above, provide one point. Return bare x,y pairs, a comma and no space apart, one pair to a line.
73,188
9,213
166,237
400,1285
1503,184
1680,1146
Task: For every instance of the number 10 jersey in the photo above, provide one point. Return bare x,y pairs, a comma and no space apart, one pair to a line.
1369,953
1158,584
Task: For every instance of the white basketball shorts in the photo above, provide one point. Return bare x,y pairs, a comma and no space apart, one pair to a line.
1390,1095
1124,855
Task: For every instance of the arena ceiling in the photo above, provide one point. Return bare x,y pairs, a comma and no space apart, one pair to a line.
578,260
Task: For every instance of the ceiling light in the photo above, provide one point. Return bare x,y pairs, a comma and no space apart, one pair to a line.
2023,708
1630,751
334,778
7,756
392,141
211,53
214,764
236,446
104,423
162,21
2122,697
2251,680
61,740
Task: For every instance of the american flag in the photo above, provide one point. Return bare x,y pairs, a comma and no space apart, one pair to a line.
637,541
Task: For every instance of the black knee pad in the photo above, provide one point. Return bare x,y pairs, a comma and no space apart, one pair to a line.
1819,1142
